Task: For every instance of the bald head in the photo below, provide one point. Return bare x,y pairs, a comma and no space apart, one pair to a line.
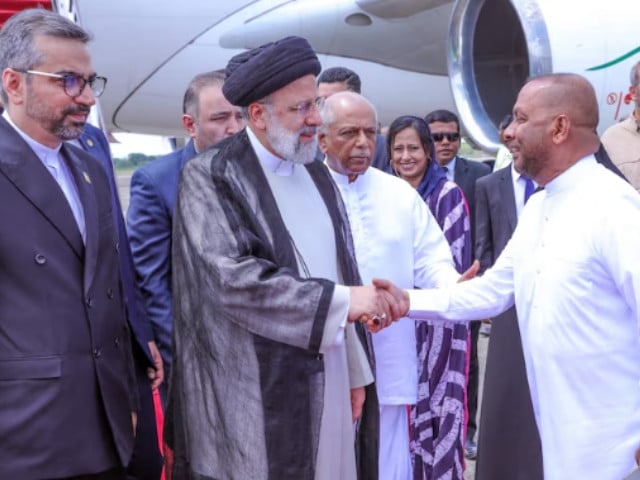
341,103
348,133
568,94
554,126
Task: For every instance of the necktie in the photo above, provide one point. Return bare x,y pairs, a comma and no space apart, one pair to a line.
529,188
448,172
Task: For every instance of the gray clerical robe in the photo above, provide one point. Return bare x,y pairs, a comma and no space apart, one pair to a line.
246,397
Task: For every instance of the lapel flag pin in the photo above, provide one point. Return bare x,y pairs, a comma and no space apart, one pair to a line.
87,178
90,143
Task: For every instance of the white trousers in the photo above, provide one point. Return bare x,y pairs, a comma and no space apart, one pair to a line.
394,461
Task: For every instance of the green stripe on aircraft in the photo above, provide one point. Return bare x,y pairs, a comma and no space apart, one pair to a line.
617,60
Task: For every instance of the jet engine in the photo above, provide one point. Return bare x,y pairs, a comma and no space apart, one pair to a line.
495,45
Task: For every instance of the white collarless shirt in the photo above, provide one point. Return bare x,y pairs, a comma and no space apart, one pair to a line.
395,238
573,269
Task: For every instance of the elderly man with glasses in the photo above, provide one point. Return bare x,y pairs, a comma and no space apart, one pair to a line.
67,384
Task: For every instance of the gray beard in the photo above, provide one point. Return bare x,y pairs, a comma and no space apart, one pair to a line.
287,144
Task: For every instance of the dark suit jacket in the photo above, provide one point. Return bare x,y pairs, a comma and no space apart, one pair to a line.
496,216
94,142
465,175
508,443
66,376
154,190
380,158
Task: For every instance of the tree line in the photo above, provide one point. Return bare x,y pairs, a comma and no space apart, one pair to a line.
132,161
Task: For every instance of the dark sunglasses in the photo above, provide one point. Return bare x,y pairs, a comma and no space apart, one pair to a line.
452,137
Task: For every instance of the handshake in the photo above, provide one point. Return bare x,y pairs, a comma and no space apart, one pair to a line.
378,305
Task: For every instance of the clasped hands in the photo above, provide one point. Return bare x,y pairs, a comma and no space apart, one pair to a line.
381,303
378,305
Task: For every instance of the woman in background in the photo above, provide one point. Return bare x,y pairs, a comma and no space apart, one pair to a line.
438,419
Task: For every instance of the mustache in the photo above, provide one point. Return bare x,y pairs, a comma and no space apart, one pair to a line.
76,109
308,130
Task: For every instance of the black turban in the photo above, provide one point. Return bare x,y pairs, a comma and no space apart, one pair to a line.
256,73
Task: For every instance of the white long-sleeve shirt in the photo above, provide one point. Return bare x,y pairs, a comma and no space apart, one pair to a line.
573,269
395,237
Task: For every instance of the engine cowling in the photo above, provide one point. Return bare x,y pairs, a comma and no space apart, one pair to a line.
495,45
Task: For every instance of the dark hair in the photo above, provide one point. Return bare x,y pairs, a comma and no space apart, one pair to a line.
17,38
504,123
419,125
341,75
190,103
444,116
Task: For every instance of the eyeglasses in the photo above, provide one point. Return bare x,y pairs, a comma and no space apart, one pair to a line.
303,109
73,83
451,136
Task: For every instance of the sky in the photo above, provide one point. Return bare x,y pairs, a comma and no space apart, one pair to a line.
138,143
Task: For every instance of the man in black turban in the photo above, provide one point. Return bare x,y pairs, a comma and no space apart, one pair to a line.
264,280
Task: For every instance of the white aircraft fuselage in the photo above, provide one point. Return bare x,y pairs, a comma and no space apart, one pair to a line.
413,56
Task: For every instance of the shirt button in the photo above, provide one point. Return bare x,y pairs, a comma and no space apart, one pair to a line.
117,342
40,259
117,247
97,352
89,302
319,357
110,293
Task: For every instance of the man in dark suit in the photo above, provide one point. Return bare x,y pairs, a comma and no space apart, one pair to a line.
67,383
208,118
445,131
146,463
508,443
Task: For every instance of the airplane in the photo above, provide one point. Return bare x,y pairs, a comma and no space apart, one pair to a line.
470,56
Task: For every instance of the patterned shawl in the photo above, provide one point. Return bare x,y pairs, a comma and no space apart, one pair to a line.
438,418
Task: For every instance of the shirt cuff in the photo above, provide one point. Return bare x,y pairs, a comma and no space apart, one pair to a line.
336,318
428,304
360,373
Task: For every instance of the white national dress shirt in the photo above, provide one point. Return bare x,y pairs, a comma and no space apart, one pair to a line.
573,268
396,238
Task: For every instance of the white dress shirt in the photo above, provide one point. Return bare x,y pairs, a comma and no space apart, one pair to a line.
450,169
573,269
